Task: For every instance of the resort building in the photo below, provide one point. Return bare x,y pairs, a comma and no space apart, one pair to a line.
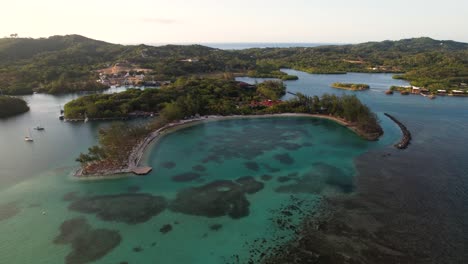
415,90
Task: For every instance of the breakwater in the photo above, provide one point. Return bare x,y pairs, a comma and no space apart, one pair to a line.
406,138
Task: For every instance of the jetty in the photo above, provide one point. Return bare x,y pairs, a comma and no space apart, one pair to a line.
406,138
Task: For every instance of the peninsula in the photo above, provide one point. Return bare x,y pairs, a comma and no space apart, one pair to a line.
10,106
188,101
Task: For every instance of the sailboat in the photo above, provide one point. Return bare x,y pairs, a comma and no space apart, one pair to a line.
85,118
39,127
28,138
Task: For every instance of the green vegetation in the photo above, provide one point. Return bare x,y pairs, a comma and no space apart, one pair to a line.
272,90
10,106
68,63
192,97
266,69
423,61
351,86
115,142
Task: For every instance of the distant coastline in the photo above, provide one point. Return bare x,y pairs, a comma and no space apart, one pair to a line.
251,45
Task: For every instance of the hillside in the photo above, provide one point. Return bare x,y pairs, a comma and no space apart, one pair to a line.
423,60
69,63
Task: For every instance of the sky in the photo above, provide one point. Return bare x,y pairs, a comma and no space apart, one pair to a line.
210,21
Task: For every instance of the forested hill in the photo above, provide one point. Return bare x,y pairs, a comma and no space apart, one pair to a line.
14,49
69,63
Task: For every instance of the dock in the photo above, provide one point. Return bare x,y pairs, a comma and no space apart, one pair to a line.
142,170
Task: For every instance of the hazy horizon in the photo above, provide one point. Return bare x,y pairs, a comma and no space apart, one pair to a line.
209,21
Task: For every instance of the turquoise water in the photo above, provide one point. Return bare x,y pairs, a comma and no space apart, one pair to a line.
319,155
34,178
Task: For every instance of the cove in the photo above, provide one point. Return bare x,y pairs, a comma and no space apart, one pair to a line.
218,190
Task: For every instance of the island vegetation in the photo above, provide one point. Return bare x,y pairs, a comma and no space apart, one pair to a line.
74,63
351,86
188,99
10,106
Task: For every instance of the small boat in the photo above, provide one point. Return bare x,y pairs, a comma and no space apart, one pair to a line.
86,118
61,117
28,138
39,128
432,96
389,92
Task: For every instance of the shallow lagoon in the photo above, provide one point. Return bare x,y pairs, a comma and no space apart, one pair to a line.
281,156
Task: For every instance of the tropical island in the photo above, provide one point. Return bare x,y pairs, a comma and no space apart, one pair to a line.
351,86
193,100
10,106
73,63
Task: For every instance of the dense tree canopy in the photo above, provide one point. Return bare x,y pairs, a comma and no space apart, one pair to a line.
10,106
68,63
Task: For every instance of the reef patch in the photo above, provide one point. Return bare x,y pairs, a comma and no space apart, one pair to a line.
186,177
87,244
216,199
128,208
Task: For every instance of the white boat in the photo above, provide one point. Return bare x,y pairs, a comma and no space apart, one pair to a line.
86,118
28,138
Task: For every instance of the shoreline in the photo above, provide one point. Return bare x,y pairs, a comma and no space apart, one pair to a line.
136,155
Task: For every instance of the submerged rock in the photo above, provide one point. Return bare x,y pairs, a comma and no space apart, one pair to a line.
138,249
70,196
216,227
322,177
215,199
266,177
289,146
284,179
252,165
250,185
87,244
8,210
185,177
133,189
168,164
284,158
165,229
128,208
200,168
